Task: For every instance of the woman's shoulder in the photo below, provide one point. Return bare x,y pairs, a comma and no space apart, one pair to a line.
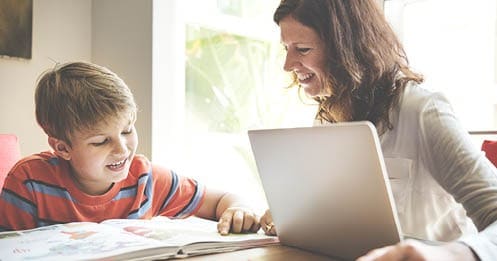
418,96
420,92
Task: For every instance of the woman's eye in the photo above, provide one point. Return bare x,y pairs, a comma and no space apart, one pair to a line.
127,132
303,50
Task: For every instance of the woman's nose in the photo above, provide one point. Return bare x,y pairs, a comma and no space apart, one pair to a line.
290,62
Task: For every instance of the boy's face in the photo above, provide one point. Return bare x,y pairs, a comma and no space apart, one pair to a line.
103,155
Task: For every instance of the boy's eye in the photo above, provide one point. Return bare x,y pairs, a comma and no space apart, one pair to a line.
100,143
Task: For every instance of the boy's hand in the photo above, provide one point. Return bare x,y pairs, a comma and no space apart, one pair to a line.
238,220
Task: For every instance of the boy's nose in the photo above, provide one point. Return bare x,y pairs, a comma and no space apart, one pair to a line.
120,147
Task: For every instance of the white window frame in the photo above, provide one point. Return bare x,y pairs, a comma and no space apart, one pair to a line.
168,91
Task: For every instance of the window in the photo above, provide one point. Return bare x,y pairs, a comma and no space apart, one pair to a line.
453,44
217,73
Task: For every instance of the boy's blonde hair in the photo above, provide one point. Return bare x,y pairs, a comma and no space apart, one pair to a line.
77,96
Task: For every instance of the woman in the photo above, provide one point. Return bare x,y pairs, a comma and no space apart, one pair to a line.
344,54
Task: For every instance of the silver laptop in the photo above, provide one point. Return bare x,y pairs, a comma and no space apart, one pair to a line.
327,188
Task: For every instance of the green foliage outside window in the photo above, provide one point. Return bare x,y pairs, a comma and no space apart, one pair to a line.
233,83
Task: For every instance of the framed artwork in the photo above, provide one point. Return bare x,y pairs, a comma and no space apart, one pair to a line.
16,27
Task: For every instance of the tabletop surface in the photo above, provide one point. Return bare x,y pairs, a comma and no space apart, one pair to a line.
271,252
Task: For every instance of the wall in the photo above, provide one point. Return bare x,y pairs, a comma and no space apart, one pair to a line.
122,41
113,33
61,31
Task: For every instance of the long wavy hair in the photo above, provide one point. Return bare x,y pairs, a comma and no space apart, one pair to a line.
367,68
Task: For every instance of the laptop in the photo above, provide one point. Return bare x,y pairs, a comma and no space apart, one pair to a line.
327,188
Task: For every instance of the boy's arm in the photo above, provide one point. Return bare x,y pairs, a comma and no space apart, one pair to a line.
17,204
230,211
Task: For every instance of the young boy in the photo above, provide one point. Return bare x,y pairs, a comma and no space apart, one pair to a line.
93,173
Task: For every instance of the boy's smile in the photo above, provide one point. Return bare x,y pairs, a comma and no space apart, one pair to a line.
101,156
118,166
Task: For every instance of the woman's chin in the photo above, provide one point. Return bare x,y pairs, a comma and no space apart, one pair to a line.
312,90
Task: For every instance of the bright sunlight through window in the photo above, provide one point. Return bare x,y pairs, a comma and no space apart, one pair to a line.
218,71
233,81
453,44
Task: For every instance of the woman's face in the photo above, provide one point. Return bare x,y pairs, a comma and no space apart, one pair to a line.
305,55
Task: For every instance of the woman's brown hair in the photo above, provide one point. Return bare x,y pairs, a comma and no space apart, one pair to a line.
367,68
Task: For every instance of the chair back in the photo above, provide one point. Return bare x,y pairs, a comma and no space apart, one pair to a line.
488,142
9,154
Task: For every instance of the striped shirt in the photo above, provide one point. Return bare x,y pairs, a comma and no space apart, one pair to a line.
39,191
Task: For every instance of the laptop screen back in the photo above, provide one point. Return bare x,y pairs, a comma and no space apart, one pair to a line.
327,187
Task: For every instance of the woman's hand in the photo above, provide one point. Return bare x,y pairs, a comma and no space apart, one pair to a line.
267,224
238,220
415,250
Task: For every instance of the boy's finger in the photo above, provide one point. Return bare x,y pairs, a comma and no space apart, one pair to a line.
264,224
237,222
224,224
248,221
255,227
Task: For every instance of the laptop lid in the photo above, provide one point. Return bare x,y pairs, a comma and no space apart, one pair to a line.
327,187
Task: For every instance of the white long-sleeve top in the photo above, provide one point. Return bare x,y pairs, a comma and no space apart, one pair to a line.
444,187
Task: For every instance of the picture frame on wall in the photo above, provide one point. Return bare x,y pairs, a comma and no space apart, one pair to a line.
16,28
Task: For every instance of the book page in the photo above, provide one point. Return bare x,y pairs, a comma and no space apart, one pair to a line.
196,235
129,239
72,241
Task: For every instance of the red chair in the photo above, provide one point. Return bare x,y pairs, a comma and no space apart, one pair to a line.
488,141
9,154
490,149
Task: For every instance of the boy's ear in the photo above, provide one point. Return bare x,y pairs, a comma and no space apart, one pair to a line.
60,147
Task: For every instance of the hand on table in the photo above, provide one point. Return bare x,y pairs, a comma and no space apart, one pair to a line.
238,220
411,249
267,224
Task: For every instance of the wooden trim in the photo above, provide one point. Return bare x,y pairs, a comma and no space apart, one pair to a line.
489,132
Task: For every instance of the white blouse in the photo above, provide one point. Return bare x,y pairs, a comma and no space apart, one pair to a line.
444,187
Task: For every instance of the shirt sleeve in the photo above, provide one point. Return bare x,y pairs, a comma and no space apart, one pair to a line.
462,169
16,202
179,196
483,244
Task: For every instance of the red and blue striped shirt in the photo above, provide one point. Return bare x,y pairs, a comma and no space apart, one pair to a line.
39,191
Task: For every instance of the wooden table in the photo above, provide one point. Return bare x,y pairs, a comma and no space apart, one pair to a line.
272,252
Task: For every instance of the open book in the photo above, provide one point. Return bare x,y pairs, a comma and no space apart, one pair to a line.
125,239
